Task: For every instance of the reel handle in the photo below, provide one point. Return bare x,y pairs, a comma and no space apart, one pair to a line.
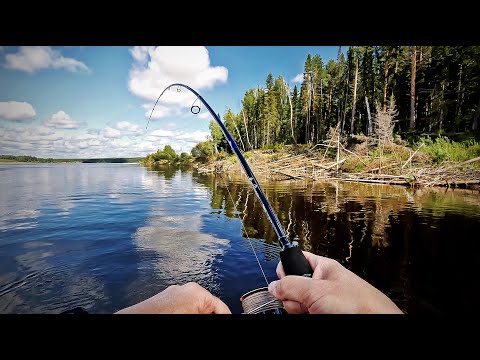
294,262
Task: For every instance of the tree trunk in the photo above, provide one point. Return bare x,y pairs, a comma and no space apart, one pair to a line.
398,49
475,118
354,96
346,98
385,82
291,110
246,129
440,119
369,121
459,95
412,88
238,132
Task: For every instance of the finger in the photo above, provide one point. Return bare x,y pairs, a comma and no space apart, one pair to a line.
294,307
311,258
280,271
216,306
297,288
319,264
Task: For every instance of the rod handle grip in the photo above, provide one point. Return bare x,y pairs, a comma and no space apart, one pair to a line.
294,262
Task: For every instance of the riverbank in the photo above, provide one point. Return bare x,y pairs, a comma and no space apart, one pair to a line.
394,163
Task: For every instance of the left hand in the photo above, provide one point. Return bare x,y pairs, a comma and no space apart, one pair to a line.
189,298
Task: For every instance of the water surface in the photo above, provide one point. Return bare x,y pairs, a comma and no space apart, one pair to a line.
104,236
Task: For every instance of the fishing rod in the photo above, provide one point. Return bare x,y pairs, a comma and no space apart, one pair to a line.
291,256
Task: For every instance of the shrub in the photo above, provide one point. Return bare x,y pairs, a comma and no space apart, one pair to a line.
443,149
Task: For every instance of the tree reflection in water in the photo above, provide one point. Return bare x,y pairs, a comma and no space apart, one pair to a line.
399,239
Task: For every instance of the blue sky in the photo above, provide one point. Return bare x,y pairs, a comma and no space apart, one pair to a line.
94,101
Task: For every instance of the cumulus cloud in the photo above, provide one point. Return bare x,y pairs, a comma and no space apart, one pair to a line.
94,131
298,78
133,129
109,132
195,136
61,120
154,68
33,58
14,110
42,141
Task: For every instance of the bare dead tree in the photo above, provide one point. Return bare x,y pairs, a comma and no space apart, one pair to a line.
384,123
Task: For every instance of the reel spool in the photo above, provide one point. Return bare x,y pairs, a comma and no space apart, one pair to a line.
260,301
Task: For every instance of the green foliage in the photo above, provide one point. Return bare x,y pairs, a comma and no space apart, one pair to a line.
166,156
204,151
447,92
275,147
218,139
443,149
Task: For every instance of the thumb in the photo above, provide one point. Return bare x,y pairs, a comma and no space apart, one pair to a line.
295,288
217,306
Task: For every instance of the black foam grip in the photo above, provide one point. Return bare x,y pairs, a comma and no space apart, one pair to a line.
294,262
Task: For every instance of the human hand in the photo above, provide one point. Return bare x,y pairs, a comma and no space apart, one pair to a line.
331,289
189,298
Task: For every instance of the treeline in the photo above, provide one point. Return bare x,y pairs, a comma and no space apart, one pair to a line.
113,160
167,156
436,89
27,158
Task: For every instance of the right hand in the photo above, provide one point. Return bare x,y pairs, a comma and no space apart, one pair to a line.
331,289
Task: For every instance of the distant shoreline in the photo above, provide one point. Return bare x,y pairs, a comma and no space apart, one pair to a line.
2,162
26,159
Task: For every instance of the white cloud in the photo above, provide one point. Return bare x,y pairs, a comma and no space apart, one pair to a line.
298,78
61,120
94,131
140,53
33,58
162,133
14,110
133,129
205,116
43,130
110,141
154,68
109,132
195,136
159,111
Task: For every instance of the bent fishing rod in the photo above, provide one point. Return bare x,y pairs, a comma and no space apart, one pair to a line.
291,256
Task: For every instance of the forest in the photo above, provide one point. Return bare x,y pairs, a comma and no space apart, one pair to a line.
387,114
435,91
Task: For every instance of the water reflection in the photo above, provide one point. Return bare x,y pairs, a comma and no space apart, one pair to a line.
184,252
106,236
397,238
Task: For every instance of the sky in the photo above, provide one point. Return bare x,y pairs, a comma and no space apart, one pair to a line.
94,101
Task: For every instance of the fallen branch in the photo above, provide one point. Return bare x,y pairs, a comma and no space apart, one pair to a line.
410,158
353,154
285,174
462,163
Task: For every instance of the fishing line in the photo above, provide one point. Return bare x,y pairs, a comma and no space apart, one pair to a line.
244,229
259,300
293,260
193,108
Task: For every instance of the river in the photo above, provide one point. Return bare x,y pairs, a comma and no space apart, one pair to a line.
105,236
